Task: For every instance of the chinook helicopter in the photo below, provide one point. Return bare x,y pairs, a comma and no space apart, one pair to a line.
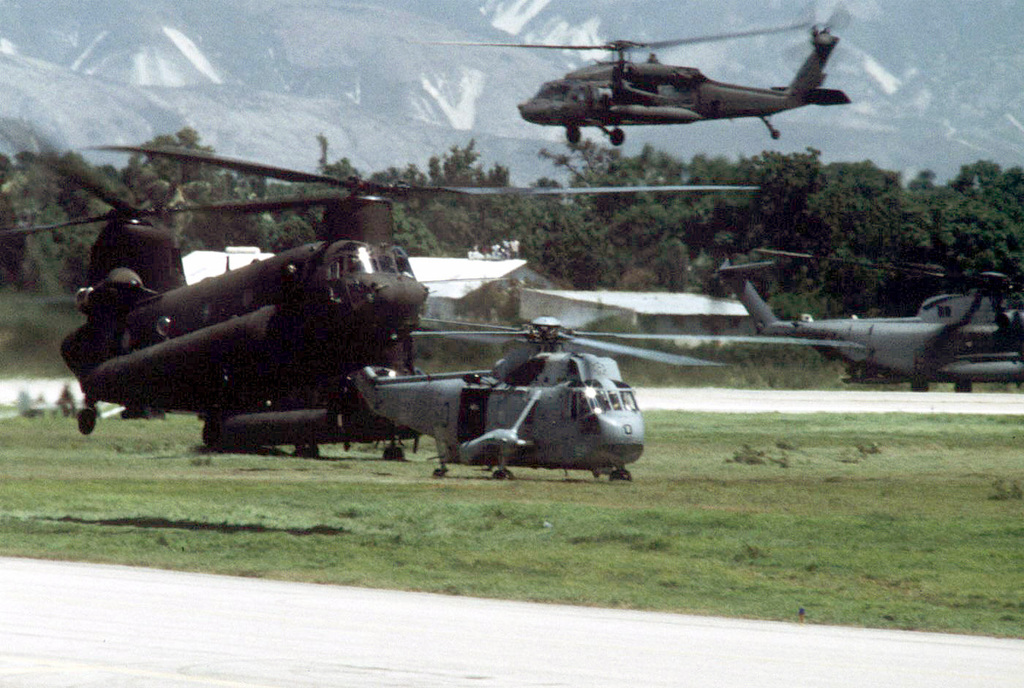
956,338
610,95
548,404
261,353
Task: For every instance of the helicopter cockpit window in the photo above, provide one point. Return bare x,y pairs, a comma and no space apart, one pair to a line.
402,261
553,89
613,398
384,262
353,259
629,401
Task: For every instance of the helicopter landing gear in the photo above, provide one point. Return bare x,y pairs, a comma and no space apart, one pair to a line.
620,474
617,136
213,428
441,472
502,474
572,134
963,387
307,451
771,129
393,452
87,419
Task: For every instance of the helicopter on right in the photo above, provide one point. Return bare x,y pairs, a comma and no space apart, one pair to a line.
958,338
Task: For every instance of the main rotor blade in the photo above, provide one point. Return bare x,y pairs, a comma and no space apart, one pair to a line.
243,166
738,339
625,45
88,180
35,229
587,190
648,354
495,328
657,45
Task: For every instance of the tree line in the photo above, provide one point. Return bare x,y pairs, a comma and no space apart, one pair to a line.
844,213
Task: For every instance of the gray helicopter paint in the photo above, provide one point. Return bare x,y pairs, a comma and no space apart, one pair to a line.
572,412
954,338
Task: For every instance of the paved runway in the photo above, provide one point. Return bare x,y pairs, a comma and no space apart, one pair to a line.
718,400
88,625
799,401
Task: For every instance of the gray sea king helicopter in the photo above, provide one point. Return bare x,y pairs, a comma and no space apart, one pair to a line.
621,92
553,402
549,403
960,338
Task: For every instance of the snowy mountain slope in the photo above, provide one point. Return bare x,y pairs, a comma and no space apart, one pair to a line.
934,84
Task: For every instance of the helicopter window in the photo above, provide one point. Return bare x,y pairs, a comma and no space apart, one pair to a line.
554,89
354,260
615,402
384,263
402,261
629,401
597,399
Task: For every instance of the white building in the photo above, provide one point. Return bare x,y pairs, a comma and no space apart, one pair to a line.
655,312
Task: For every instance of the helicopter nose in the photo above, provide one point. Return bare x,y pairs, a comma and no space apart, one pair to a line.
622,434
530,110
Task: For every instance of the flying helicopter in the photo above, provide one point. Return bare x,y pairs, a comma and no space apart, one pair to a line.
550,403
959,338
261,353
621,92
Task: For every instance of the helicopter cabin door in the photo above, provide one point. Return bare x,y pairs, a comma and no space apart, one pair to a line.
472,413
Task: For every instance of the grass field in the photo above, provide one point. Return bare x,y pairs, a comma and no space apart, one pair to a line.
912,522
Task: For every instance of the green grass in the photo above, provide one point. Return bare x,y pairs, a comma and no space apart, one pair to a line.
897,522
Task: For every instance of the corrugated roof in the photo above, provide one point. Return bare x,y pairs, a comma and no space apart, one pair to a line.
450,269
653,303
199,265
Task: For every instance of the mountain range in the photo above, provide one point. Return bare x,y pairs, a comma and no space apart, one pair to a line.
934,85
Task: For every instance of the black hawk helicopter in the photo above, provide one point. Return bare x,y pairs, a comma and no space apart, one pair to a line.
261,353
958,338
610,95
550,403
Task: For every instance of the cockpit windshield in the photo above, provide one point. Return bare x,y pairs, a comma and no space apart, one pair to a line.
553,90
596,400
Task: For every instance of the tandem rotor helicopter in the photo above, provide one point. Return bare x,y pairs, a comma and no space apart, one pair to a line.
610,95
262,353
959,338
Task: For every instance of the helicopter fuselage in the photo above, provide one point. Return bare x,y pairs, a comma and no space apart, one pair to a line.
242,340
540,416
614,94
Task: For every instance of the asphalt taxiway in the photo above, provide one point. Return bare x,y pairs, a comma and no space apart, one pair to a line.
68,624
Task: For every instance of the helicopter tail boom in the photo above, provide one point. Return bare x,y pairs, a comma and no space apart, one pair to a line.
811,74
736,277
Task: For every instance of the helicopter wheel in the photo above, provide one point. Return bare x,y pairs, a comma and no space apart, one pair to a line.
775,133
393,452
572,134
87,420
308,451
212,429
441,472
617,136
963,387
620,474
502,474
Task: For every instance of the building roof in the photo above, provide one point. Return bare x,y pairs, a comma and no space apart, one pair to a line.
453,278
653,303
199,265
